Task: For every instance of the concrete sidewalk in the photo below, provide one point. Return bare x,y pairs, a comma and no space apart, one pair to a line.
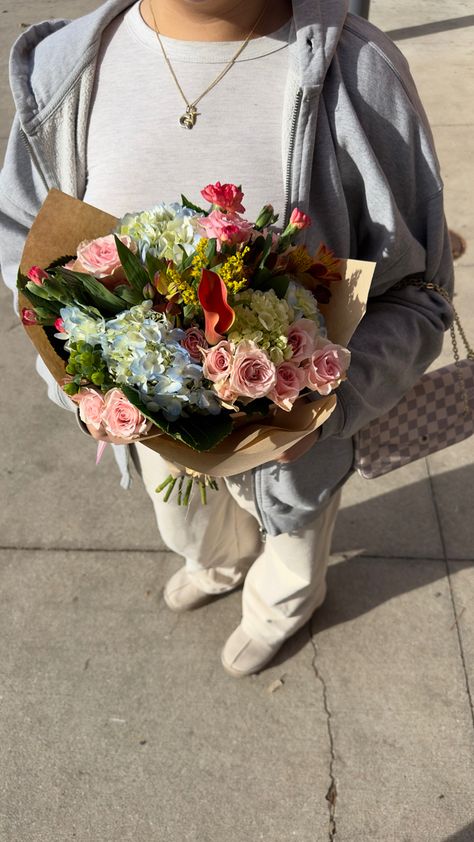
117,723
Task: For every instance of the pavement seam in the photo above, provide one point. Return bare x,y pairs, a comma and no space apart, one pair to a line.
375,556
451,591
331,794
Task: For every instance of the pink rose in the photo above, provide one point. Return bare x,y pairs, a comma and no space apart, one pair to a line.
28,317
225,393
193,341
218,361
121,418
229,228
301,339
253,373
37,275
226,196
327,367
290,381
299,219
91,405
100,258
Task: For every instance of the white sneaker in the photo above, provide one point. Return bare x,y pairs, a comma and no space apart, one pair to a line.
242,655
181,594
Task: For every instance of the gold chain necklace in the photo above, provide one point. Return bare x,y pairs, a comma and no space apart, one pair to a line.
188,119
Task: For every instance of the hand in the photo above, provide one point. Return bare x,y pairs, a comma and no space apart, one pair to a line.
299,449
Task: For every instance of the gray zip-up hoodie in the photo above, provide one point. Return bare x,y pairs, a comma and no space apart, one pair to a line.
357,156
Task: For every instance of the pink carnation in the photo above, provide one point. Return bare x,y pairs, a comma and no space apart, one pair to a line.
253,373
218,361
290,381
228,228
121,418
327,367
301,339
193,341
91,405
100,258
299,219
226,196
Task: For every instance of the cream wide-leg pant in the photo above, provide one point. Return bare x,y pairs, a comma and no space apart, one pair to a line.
223,544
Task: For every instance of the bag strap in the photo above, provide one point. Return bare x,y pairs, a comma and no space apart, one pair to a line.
417,281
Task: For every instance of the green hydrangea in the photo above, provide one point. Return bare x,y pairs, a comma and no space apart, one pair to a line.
263,318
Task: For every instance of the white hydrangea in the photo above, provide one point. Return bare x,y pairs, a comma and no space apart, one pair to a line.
162,231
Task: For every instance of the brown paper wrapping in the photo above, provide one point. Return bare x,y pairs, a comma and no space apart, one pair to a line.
63,222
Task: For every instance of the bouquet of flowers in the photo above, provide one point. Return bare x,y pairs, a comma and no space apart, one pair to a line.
185,321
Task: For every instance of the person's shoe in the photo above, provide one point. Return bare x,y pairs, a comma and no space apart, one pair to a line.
181,594
242,655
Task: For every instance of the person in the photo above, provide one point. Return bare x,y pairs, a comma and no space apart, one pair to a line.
139,102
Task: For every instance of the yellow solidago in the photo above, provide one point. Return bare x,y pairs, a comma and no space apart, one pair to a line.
199,261
177,285
232,271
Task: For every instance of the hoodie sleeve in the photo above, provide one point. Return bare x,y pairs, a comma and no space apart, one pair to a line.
394,195
22,192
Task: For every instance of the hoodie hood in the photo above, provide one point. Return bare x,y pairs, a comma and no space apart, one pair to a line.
49,57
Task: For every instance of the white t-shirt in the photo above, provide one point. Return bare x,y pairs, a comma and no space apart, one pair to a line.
138,154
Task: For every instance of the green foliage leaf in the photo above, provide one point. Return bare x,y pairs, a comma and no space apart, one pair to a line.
266,250
135,272
90,291
199,432
128,296
187,204
279,283
211,249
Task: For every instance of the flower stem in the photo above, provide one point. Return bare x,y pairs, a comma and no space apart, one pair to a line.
187,493
163,485
169,490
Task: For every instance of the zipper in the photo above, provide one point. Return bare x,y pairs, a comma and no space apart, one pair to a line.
291,149
34,158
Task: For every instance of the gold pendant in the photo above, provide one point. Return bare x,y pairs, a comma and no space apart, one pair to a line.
188,120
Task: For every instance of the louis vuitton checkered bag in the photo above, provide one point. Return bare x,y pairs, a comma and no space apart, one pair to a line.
437,412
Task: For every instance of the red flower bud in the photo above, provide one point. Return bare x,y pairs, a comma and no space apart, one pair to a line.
37,275
28,317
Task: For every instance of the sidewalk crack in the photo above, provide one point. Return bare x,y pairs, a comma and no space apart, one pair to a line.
451,592
331,794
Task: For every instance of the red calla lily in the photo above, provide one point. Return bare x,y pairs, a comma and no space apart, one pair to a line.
218,314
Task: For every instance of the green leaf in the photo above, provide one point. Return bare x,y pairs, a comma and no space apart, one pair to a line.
154,264
279,283
136,274
102,298
200,432
211,249
266,250
187,204
128,296
52,307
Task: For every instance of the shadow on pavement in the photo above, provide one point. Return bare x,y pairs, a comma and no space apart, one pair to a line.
358,584
430,28
464,835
